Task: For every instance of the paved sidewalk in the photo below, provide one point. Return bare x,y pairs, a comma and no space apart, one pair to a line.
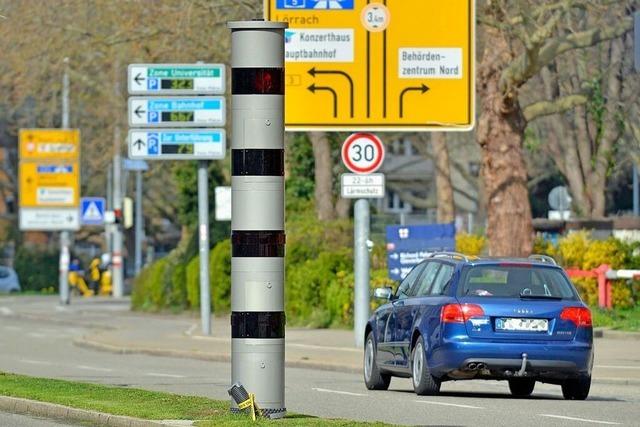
116,329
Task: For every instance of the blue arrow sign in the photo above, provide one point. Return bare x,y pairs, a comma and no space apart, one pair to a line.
408,245
92,210
315,4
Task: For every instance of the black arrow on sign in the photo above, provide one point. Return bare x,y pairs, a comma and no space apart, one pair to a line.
423,89
313,73
138,111
139,144
313,89
138,78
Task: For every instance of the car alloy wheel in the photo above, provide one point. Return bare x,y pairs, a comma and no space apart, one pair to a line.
418,365
368,359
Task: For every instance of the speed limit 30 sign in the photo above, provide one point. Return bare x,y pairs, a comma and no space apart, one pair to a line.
363,153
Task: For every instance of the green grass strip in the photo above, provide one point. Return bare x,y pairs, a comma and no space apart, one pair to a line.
150,405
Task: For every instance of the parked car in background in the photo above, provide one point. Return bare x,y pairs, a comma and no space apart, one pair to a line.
459,318
9,280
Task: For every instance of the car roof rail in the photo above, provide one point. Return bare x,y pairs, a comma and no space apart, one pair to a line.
449,255
543,258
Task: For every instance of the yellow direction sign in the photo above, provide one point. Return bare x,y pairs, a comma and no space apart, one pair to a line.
387,65
49,184
49,144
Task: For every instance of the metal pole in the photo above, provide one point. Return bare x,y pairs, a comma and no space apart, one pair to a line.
116,257
63,281
139,224
203,221
108,230
361,269
257,223
636,191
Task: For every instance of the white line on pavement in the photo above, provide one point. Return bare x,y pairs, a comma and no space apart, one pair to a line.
324,347
582,420
92,368
324,390
153,374
12,328
6,311
191,330
448,404
616,367
35,362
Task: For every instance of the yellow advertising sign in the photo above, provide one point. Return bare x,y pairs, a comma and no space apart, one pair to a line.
387,65
49,144
49,184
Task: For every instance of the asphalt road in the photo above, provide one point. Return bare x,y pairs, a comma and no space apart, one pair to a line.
15,420
41,348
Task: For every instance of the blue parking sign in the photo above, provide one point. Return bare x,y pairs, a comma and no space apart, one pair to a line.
152,84
315,4
153,116
152,144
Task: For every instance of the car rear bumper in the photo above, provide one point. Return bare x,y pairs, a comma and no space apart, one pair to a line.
551,360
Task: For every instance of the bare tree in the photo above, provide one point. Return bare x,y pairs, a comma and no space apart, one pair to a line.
520,39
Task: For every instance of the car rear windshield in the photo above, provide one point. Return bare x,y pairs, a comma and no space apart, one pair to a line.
515,281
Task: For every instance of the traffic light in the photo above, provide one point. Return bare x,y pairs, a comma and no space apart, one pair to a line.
257,237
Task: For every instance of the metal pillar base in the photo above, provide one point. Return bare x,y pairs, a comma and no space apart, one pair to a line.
272,414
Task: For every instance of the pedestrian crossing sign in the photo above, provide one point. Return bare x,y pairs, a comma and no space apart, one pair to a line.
92,210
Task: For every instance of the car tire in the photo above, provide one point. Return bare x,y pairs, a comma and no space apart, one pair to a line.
576,388
373,378
424,384
522,387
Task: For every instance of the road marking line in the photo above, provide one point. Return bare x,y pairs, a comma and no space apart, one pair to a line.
616,367
153,374
91,368
192,329
36,335
347,393
6,311
430,402
583,420
35,362
324,347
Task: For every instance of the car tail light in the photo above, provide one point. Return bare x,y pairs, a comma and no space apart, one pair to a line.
580,316
460,313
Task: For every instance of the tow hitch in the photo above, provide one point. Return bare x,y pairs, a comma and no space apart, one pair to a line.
523,367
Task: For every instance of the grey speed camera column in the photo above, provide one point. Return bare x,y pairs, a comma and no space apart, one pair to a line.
257,236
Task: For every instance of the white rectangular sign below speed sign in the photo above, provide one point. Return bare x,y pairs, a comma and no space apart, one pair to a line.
356,186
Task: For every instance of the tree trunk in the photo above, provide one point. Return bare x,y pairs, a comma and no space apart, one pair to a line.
343,207
323,176
446,207
500,135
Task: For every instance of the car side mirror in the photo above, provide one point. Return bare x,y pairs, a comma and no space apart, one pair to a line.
383,293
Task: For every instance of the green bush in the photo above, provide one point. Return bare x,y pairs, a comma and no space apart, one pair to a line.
163,285
219,277
37,270
220,270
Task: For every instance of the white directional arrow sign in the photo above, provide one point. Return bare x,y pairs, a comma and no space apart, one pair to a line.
176,79
177,111
177,144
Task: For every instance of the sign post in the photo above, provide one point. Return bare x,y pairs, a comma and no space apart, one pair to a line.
361,65
180,128
363,154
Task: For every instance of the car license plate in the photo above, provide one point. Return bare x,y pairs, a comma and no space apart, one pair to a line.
515,324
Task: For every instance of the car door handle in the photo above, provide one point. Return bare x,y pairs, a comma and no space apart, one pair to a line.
398,303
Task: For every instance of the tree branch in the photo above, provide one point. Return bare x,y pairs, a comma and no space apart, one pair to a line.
521,70
559,105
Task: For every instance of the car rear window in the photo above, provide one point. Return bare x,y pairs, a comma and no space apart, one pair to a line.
510,280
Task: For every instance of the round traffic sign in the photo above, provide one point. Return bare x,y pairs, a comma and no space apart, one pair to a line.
362,153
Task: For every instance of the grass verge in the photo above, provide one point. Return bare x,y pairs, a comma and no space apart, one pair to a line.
625,320
150,405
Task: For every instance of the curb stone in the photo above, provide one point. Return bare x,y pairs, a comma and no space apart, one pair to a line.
17,405
93,345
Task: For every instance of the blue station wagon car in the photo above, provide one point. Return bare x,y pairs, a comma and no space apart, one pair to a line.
460,318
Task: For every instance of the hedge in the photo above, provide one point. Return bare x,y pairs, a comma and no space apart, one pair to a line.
318,285
37,270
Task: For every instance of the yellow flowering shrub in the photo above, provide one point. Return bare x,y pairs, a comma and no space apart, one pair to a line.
470,244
